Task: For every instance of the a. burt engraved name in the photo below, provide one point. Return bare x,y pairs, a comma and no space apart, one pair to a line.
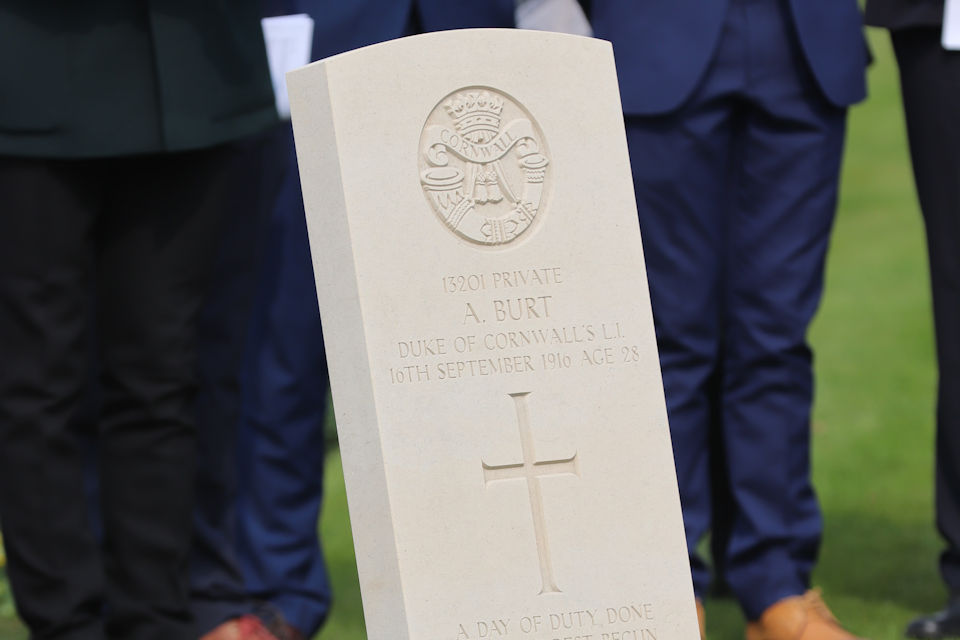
528,308
507,309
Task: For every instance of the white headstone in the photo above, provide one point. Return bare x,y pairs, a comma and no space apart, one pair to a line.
490,341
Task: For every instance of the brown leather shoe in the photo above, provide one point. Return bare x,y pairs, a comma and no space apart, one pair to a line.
247,627
702,619
286,632
803,617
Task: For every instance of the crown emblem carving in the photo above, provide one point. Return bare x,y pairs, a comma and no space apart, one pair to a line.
484,166
476,114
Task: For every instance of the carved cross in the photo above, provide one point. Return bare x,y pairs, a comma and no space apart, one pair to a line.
532,470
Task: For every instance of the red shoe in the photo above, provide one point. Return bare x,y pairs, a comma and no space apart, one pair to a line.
248,627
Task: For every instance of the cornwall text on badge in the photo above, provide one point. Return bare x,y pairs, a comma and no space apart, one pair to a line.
484,166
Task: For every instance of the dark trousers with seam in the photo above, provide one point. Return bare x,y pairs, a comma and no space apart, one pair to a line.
930,79
736,192
136,231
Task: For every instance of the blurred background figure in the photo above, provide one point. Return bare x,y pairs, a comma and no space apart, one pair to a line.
736,115
258,568
119,156
930,85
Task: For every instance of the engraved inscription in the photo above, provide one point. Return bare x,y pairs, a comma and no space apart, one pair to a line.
531,470
635,621
465,283
508,322
483,166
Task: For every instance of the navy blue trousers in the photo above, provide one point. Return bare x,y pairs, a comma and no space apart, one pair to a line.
261,409
736,194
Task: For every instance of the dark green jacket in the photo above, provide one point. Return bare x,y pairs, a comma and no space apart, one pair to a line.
904,14
96,78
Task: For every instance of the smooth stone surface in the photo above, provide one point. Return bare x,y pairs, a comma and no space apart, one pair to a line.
490,340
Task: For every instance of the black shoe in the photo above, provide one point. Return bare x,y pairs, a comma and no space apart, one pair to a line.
942,624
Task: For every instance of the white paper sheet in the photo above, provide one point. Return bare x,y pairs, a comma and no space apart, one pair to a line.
951,25
564,16
289,42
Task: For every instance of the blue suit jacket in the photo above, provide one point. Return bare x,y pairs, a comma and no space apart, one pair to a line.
663,47
343,25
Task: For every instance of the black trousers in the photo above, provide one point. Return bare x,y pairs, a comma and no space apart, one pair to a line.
930,78
138,233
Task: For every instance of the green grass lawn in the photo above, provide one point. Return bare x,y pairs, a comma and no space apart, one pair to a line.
873,426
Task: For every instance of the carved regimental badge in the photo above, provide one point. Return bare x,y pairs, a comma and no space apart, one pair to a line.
483,165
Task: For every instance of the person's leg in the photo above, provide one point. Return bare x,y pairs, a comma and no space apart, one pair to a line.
49,209
281,434
154,248
722,504
681,164
930,79
786,199
217,588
